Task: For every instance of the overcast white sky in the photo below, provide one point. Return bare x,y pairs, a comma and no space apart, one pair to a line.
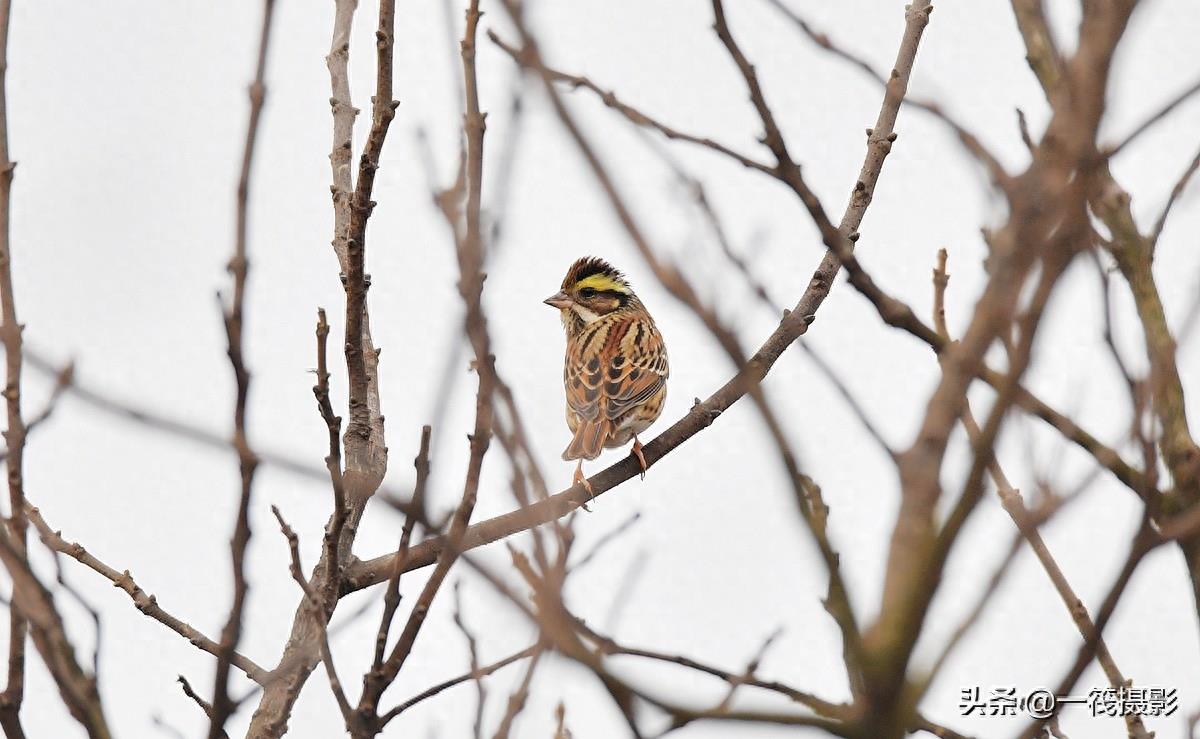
127,120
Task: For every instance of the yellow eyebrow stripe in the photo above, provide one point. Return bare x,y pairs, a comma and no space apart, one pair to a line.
601,282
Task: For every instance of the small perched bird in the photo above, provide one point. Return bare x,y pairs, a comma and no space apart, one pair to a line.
615,372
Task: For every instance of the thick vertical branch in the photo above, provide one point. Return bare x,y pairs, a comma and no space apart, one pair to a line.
1134,254
366,455
222,704
365,452
14,435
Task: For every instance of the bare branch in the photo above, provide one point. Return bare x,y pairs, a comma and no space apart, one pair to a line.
1041,50
391,598
204,705
366,455
969,141
77,688
333,462
316,603
473,652
1144,541
772,136
247,460
1179,99
1180,185
365,450
143,601
633,115
1011,500
605,540
516,701
15,431
608,647
472,675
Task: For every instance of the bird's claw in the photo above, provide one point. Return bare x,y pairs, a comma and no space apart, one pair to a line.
579,479
641,458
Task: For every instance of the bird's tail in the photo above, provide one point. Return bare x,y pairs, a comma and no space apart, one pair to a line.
589,439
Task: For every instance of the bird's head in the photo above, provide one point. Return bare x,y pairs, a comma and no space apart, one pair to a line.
593,288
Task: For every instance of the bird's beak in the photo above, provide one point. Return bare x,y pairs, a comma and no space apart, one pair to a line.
559,300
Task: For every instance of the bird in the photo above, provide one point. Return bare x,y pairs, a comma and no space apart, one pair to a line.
615,370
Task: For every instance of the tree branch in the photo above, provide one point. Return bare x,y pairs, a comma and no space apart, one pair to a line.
475,674
146,603
633,115
1010,499
15,431
222,705
365,451
77,688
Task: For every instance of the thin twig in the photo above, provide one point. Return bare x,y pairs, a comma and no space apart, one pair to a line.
472,675
391,598
62,382
699,195
751,668
333,462
635,116
234,326
473,652
1155,117
204,705
968,140
604,541
516,701
608,646
1143,542
856,407
1180,185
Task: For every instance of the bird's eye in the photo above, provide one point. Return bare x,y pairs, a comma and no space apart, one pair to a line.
587,292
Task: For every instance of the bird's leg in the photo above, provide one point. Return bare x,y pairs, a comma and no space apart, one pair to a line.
637,452
579,479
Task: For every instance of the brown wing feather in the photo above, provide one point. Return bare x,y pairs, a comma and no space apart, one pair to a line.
636,368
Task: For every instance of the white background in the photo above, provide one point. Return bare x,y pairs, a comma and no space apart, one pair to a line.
127,120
